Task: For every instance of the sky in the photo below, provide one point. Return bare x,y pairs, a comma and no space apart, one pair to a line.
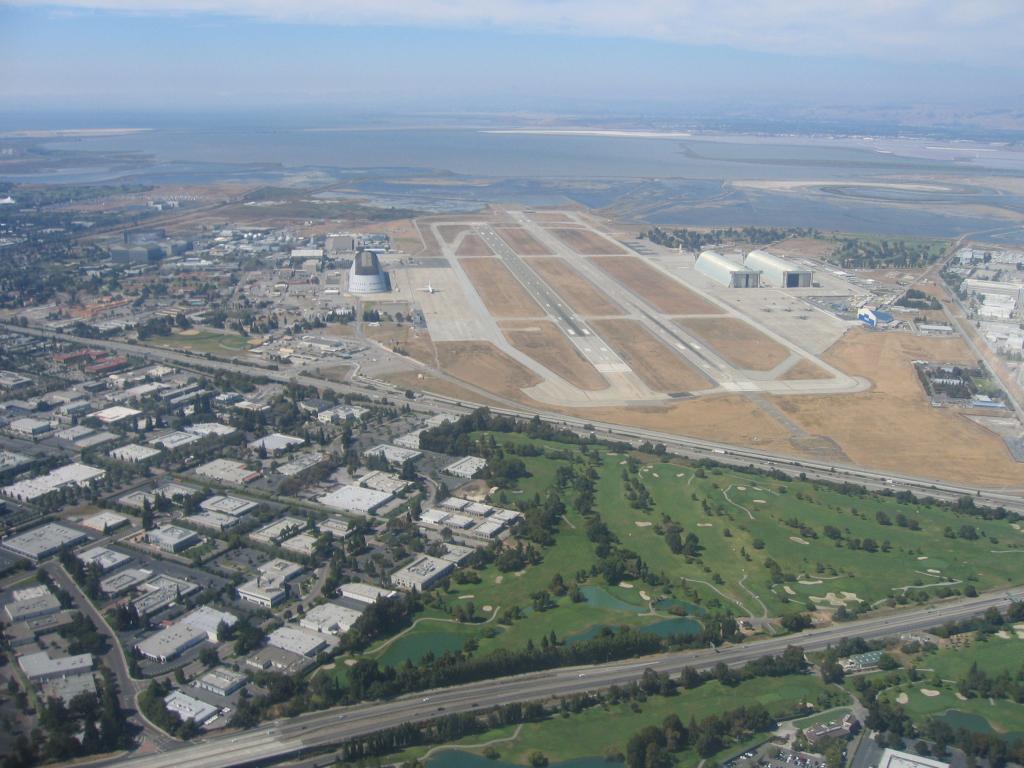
507,56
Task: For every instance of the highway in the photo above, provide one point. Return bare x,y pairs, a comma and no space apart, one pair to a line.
319,730
687,447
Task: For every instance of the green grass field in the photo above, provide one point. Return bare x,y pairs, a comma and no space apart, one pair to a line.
213,342
755,509
1005,717
992,655
785,519
590,733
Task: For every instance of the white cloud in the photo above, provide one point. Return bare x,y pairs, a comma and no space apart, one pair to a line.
983,31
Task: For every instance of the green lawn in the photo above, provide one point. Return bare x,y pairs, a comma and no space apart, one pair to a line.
992,655
590,733
1001,716
827,716
731,570
214,342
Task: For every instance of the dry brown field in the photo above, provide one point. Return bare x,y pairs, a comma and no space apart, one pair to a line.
545,343
483,365
522,242
582,295
499,289
404,236
805,370
802,247
723,418
473,245
437,385
587,242
892,426
451,231
736,341
406,339
663,292
654,362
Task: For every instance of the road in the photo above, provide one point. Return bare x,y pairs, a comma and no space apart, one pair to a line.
128,687
686,447
318,730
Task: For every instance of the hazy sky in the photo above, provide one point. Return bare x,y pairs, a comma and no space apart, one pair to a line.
509,55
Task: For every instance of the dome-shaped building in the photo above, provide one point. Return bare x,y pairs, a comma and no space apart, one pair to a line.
366,274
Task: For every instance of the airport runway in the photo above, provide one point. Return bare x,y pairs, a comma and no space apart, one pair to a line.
590,345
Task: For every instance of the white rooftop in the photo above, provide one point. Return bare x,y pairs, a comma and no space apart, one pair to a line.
352,498
115,414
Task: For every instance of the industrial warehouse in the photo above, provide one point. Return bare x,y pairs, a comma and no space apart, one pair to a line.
777,271
727,272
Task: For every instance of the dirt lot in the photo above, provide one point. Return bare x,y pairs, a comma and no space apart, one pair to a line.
473,245
450,231
892,426
521,241
405,339
661,291
499,289
404,235
482,364
738,342
724,419
657,365
582,295
439,386
804,370
585,241
542,341
805,247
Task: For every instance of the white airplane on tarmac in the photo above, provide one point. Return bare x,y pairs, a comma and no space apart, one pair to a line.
430,289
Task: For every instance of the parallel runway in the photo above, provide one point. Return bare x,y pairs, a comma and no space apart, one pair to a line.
600,355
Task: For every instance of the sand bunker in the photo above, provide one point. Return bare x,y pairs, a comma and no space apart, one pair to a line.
809,582
833,599
960,696
680,474
499,578
643,523
625,585
788,589
466,597
798,540
923,557
488,608
760,501
741,487
934,570
705,525
931,693
644,595
902,698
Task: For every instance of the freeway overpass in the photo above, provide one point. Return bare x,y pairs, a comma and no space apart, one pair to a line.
317,731
684,446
